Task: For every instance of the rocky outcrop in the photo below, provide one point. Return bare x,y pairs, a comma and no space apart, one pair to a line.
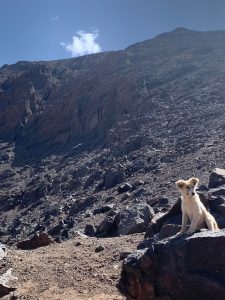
189,267
38,240
185,268
134,219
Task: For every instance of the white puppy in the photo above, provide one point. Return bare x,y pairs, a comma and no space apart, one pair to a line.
193,209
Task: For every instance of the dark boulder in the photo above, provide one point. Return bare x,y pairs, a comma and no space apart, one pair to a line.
217,178
190,267
204,197
57,230
219,191
90,230
217,200
82,205
215,203
160,219
222,209
106,227
168,230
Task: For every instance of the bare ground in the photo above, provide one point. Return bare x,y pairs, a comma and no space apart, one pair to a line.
72,270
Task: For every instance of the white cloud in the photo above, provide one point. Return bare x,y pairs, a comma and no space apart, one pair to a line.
54,19
83,43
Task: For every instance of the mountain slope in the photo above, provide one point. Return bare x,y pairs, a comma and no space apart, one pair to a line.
153,112
79,100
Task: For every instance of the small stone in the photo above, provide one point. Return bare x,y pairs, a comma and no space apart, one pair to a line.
103,209
137,183
125,196
124,188
99,248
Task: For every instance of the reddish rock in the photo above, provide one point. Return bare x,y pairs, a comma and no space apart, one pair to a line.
38,240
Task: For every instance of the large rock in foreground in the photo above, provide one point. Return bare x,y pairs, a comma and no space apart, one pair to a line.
183,268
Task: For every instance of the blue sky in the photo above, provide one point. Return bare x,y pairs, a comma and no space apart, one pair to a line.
55,29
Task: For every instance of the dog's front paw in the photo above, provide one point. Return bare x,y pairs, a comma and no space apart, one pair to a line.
189,232
180,233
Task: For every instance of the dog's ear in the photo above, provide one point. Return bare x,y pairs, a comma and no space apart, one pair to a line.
194,180
180,184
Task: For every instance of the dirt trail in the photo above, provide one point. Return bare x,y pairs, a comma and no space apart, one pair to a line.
72,270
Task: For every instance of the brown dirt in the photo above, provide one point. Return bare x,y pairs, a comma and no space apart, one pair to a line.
72,270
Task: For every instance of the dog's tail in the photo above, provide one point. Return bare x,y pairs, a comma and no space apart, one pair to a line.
211,222
216,226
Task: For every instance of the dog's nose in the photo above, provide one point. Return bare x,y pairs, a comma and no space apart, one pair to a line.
193,193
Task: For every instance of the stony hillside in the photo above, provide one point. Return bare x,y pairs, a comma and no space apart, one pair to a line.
84,140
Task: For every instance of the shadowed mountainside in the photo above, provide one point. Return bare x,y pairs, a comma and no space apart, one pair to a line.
68,102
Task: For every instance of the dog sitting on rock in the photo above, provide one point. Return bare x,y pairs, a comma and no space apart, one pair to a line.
193,209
